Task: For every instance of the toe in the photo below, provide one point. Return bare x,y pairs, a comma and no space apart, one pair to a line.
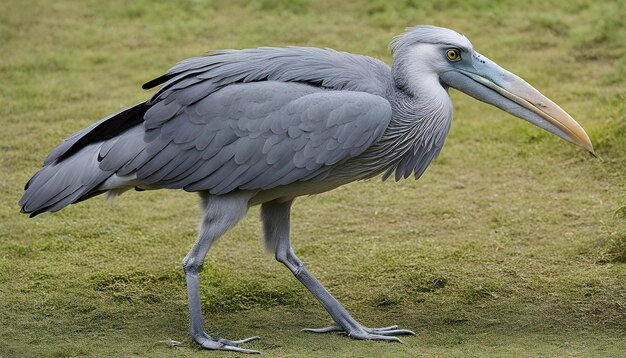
376,337
241,341
385,338
239,349
393,331
385,328
222,344
360,332
323,329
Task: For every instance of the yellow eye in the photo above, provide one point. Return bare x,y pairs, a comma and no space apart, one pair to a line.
453,55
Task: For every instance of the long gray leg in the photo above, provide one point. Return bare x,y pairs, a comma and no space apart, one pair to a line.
219,214
276,220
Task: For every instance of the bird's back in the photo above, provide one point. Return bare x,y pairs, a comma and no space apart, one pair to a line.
325,68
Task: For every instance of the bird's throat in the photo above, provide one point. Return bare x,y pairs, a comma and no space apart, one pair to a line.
417,131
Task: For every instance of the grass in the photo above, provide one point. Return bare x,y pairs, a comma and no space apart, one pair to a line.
512,244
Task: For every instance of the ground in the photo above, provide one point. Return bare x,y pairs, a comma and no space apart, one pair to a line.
512,244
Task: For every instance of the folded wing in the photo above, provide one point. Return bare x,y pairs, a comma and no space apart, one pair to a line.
252,136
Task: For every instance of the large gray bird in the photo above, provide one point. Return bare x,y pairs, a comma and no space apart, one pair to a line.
264,126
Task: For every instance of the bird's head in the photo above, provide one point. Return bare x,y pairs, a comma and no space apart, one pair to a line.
427,53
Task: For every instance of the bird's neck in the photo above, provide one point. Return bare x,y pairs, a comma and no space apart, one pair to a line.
421,118
419,124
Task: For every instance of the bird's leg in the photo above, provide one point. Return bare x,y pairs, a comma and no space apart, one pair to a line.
276,219
220,213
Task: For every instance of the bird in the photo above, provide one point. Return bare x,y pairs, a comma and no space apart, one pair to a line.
264,126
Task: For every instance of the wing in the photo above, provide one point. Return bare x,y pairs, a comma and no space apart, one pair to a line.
193,79
253,136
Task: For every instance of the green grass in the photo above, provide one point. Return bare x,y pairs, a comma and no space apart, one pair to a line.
512,244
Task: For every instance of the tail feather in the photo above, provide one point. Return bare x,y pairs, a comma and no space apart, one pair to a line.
58,205
72,172
62,183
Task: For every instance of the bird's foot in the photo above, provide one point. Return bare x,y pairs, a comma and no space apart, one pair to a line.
222,344
360,332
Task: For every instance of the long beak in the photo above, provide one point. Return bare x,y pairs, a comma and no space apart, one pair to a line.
490,83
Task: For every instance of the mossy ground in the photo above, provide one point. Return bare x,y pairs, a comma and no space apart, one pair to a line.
512,244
